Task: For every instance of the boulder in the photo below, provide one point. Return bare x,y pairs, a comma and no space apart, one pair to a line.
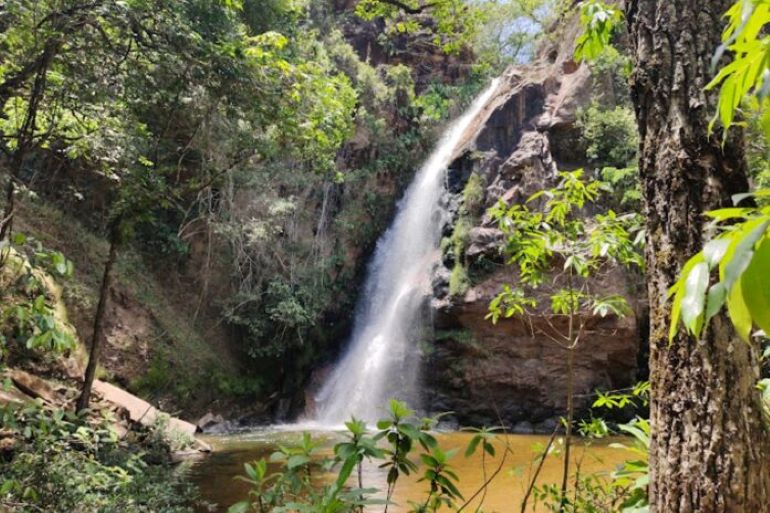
202,446
33,386
209,422
483,241
189,455
7,447
13,396
139,410
523,428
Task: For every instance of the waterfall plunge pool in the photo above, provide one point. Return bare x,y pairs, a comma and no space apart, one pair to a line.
215,475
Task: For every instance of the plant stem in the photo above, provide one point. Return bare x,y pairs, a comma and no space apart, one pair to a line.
484,475
486,483
537,471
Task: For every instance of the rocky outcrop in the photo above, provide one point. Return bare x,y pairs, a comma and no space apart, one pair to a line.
511,372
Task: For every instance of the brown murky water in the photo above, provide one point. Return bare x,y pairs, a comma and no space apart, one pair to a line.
215,475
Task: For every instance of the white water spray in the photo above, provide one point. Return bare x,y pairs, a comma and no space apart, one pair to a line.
382,359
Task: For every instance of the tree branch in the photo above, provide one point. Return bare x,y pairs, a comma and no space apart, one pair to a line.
407,9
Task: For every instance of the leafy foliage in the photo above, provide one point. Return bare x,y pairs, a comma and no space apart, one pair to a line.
558,235
741,250
473,195
59,463
610,135
537,241
599,20
28,320
746,73
626,188
293,488
449,24
741,255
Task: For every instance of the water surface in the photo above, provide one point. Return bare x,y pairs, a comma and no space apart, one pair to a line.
215,475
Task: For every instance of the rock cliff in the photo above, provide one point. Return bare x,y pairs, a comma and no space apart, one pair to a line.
485,373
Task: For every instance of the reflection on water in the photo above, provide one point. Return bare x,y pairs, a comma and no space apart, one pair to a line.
215,475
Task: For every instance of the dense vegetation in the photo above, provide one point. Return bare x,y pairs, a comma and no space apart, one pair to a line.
248,146
220,170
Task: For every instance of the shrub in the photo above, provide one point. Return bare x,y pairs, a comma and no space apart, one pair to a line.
473,195
62,464
461,236
459,283
610,136
627,191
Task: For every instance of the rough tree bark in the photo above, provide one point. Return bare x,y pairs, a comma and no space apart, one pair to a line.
98,335
710,450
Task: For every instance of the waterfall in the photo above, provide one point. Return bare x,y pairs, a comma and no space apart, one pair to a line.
382,358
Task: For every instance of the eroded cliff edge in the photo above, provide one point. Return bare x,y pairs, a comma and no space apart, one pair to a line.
508,372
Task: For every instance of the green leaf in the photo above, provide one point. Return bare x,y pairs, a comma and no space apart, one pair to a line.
240,507
739,312
741,250
724,214
715,250
695,298
755,285
472,446
345,471
678,292
297,461
429,460
716,299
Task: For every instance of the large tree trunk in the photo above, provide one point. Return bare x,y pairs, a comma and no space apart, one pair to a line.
98,335
709,449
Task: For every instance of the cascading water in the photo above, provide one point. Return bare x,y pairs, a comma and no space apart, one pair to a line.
382,360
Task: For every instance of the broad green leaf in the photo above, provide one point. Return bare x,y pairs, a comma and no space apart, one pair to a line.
472,446
724,214
739,312
755,284
694,299
715,300
345,471
741,250
715,250
297,461
240,507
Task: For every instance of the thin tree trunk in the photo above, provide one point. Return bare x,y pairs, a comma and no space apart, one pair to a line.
568,427
572,341
710,450
98,335
6,221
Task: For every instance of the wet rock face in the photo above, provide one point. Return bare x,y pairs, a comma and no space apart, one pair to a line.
505,126
511,372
